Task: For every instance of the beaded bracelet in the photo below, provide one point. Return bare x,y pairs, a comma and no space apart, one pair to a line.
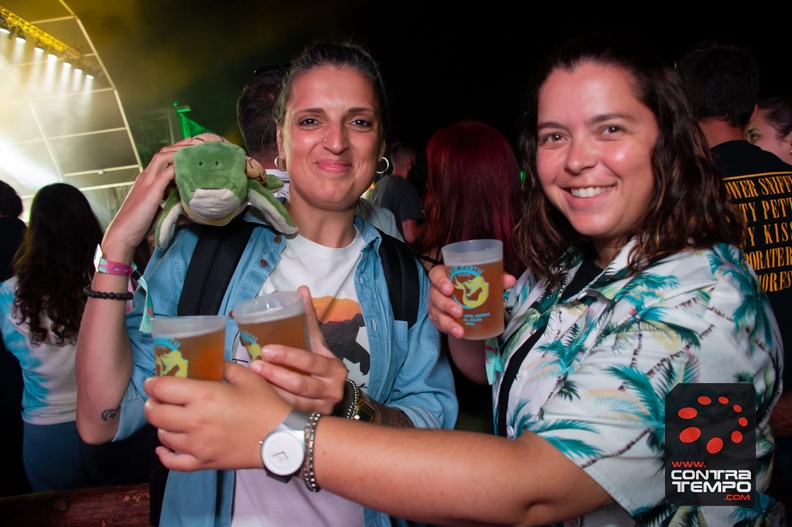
104,295
346,408
350,413
308,468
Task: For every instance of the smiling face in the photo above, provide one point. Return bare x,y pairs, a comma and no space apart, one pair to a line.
594,152
331,138
762,134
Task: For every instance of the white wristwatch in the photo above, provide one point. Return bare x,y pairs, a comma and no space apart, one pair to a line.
283,450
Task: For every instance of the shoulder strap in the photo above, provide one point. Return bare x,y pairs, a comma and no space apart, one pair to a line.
401,273
212,265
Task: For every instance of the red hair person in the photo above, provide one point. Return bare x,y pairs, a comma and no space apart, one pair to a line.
472,191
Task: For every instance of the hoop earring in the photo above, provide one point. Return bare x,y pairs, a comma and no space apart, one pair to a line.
387,165
277,158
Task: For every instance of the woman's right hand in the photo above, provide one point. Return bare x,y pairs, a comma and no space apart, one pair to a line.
443,309
133,220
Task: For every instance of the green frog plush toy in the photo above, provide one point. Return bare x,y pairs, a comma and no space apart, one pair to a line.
215,181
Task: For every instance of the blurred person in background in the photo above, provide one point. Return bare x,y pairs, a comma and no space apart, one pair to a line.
722,82
12,472
472,191
398,194
41,307
771,128
11,227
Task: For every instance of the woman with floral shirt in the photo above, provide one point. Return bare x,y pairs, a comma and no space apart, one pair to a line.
636,286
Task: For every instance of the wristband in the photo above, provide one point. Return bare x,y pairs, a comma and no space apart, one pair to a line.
111,267
115,268
121,269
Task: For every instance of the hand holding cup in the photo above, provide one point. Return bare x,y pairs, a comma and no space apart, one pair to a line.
475,268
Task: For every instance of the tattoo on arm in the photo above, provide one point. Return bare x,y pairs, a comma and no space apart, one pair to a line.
388,416
108,415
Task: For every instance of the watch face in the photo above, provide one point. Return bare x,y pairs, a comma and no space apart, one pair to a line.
283,453
365,412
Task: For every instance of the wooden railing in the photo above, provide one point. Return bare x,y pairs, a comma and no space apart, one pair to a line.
116,506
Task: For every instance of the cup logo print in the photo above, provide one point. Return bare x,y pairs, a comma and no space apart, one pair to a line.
710,441
250,343
470,280
168,359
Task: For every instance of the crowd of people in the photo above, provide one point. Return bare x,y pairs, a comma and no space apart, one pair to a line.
642,215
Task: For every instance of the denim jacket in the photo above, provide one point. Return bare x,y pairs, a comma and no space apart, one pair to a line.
408,371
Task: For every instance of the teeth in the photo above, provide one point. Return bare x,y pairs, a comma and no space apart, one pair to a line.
588,192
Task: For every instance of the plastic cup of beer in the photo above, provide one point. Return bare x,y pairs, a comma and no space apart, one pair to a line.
475,267
274,318
191,347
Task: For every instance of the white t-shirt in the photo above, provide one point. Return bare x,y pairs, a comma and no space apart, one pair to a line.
330,273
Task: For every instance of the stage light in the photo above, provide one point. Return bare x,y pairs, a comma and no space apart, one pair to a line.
93,71
20,35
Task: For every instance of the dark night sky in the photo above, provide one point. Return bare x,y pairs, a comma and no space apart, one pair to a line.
442,61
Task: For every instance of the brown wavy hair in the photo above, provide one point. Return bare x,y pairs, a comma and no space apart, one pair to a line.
688,208
55,262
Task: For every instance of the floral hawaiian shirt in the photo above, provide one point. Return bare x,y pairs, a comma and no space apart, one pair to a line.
595,381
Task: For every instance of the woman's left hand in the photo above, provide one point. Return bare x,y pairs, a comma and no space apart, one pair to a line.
194,418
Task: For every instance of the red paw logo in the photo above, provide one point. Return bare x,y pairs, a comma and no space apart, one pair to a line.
714,444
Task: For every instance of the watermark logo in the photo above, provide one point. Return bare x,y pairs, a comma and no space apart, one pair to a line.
710,441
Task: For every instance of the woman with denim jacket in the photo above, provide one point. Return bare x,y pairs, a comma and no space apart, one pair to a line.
332,122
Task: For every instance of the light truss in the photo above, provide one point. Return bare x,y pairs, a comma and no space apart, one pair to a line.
10,21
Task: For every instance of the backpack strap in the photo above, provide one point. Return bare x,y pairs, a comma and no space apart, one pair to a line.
401,273
212,265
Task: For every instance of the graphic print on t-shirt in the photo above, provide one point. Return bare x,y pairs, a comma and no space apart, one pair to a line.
330,274
342,324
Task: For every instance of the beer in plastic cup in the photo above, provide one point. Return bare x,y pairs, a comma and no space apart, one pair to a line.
475,267
191,347
274,318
